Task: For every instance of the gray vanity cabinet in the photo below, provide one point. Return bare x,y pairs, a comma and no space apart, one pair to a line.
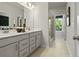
21,45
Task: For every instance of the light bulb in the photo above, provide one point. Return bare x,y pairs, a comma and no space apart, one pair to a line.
29,4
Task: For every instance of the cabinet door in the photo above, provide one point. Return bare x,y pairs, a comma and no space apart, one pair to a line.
38,41
9,50
24,52
23,43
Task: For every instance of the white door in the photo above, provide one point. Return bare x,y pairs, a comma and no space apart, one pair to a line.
77,30
9,51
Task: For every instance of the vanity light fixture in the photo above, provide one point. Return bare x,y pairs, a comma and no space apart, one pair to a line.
28,5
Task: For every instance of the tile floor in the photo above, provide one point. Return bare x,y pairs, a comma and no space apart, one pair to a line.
58,49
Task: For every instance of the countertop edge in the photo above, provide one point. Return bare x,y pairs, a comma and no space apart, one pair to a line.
8,35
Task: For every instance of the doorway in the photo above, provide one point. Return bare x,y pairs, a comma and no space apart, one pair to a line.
59,27
57,16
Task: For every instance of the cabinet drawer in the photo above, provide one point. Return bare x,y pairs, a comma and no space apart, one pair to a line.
23,36
7,40
31,34
24,43
39,32
24,52
35,33
38,37
32,40
32,48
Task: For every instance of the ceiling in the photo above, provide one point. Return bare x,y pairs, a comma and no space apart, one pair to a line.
50,4
56,4
16,4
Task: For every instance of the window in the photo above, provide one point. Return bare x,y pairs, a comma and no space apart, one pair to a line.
58,23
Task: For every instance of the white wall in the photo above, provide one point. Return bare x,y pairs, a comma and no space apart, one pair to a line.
29,15
12,11
41,20
58,10
51,28
37,18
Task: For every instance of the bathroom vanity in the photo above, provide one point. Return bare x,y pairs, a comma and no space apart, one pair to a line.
19,44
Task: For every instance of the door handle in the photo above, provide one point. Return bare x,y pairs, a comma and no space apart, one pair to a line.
76,38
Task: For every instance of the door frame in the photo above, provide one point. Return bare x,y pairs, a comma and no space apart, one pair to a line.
75,28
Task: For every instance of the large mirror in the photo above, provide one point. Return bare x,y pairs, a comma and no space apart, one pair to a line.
16,15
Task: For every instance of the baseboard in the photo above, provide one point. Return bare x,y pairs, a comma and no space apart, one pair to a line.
70,54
